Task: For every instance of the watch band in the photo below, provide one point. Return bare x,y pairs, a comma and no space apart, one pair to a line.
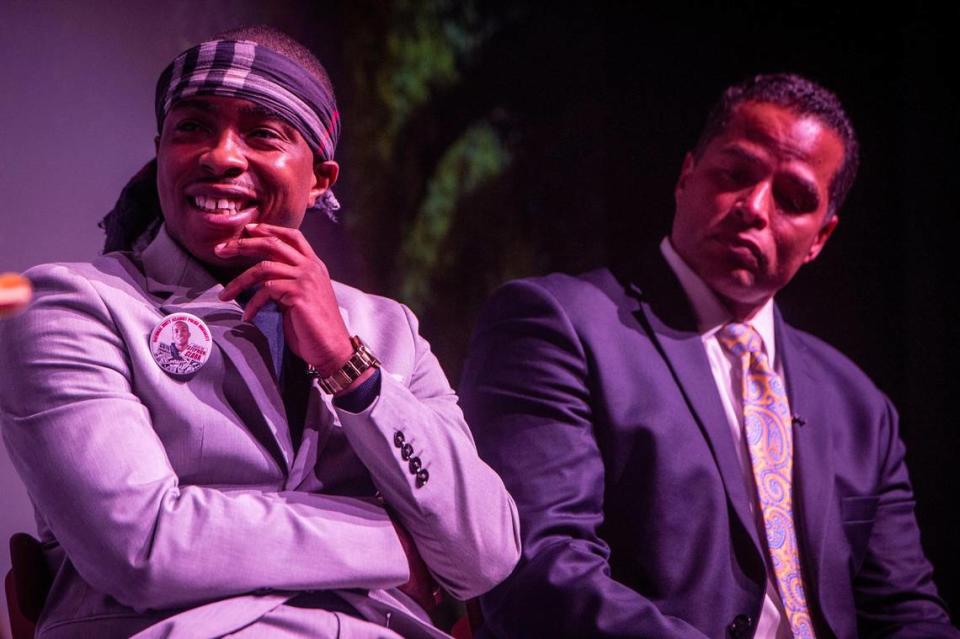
361,360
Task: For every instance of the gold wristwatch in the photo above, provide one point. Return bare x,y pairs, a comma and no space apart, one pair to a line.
359,362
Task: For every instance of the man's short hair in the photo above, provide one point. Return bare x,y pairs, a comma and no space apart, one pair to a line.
803,97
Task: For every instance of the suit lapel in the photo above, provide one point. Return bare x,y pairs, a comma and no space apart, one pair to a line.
813,459
667,316
249,385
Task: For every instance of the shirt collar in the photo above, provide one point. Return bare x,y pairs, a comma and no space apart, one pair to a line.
166,262
711,313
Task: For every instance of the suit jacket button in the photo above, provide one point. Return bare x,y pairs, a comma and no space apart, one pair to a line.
422,477
406,452
415,464
740,626
398,439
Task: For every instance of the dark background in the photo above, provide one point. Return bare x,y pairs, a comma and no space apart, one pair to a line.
484,141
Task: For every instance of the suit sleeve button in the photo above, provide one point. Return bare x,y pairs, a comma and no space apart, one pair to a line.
422,477
740,626
415,465
406,452
398,439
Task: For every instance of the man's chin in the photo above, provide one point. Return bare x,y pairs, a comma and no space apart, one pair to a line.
222,268
740,292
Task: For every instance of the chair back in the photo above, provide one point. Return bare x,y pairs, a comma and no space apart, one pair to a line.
26,585
466,626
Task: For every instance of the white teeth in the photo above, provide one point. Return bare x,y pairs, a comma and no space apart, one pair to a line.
214,204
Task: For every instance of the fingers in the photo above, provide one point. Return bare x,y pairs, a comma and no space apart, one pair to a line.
276,290
260,273
292,237
271,290
266,247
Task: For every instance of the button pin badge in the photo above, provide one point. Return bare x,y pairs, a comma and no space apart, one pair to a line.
181,344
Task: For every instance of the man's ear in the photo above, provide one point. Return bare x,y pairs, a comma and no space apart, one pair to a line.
326,174
821,239
688,165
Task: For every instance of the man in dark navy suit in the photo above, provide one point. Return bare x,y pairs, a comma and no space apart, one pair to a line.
685,463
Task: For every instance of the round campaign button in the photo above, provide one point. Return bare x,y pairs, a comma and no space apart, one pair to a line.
181,343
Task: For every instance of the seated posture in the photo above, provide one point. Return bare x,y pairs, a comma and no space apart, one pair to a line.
685,463
219,439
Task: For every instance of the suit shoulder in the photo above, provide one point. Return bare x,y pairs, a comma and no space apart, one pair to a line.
832,364
574,294
383,323
357,301
103,268
563,284
114,278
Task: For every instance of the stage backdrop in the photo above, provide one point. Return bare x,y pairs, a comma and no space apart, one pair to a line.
484,141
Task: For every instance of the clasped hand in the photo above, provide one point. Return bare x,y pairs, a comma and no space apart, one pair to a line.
290,273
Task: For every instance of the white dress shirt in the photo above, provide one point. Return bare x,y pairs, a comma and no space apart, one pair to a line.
711,317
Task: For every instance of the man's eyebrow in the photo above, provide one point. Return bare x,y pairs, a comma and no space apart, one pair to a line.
809,188
741,153
799,181
263,113
211,107
747,154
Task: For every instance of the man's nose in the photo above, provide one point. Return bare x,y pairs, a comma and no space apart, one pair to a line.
754,205
225,156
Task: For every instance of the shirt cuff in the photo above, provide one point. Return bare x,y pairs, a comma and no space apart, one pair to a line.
361,397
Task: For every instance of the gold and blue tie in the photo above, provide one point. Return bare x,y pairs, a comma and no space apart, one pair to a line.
767,426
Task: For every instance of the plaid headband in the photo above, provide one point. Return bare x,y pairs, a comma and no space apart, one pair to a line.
243,69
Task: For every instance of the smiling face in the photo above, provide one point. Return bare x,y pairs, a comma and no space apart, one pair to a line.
226,162
181,335
753,207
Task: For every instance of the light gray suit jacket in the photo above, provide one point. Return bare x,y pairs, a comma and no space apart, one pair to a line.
179,506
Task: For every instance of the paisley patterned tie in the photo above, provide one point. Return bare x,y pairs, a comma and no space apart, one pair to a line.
767,424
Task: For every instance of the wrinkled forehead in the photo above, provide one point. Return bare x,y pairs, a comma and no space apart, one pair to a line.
785,133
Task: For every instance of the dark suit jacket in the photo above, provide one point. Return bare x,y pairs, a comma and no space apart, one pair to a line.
593,398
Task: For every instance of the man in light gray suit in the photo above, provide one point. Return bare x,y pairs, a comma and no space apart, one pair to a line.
315,473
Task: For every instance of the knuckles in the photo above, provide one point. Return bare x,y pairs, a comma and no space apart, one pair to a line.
321,267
